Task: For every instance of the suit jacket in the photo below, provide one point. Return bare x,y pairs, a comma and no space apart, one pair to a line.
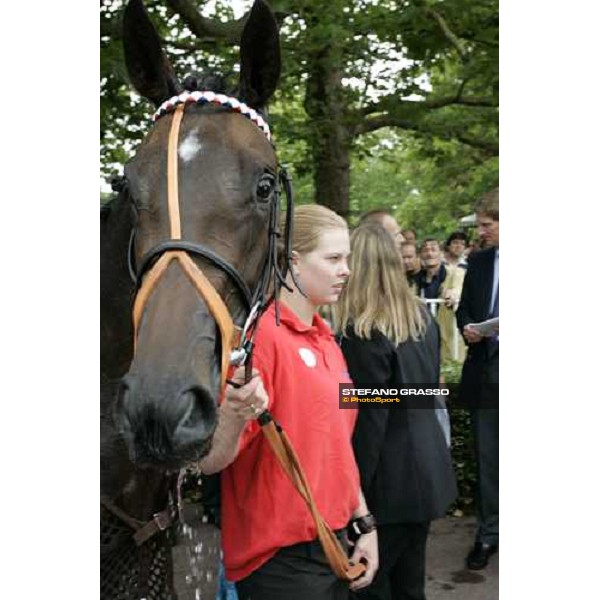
480,375
404,462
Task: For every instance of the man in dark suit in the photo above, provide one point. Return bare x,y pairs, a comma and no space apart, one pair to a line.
479,382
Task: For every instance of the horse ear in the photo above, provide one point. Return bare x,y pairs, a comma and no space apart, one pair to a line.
147,65
260,56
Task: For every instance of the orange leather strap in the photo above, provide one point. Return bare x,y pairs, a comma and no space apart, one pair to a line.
172,174
149,283
288,459
217,308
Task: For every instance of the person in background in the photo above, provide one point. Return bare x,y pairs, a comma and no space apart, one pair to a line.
453,346
410,235
479,384
389,339
455,249
385,218
412,265
269,538
433,271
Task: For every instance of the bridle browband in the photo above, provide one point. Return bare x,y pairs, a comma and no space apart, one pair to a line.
207,97
235,349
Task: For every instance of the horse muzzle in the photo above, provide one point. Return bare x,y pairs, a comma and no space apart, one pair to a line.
168,426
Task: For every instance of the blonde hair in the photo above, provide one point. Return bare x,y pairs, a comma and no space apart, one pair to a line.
310,221
377,295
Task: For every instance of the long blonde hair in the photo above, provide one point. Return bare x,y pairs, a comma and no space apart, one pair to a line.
377,295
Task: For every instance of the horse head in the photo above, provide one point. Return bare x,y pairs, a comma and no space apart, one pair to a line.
201,188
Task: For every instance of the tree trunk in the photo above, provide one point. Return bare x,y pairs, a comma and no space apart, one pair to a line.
330,140
332,169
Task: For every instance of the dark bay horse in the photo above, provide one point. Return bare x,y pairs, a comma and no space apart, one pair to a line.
187,249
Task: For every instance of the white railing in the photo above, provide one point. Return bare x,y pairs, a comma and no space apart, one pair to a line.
432,305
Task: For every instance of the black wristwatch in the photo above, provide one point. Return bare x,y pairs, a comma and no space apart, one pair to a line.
362,525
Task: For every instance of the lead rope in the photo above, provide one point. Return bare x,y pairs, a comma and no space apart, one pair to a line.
288,459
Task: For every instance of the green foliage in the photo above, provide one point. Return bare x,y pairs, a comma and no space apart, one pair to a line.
463,459
124,116
429,185
387,72
447,179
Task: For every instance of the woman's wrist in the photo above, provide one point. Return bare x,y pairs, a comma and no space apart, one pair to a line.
363,524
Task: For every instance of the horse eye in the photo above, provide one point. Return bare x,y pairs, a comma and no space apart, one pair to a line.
265,186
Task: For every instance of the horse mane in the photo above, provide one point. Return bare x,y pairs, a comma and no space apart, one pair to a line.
214,82
118,183
217,83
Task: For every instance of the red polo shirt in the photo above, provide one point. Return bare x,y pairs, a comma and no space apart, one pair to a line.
262,512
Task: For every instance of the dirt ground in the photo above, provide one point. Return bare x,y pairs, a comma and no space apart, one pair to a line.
447,578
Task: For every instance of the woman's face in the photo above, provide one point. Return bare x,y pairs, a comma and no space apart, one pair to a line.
323,272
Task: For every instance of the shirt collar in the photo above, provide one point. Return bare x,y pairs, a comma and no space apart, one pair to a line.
291,320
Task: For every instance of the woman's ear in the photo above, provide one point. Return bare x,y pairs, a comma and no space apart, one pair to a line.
295,262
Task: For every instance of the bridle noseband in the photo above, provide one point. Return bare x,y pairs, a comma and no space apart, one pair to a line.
236,341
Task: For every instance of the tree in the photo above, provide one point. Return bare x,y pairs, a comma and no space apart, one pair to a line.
422,73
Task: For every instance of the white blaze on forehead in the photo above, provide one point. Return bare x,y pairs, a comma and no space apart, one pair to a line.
190,147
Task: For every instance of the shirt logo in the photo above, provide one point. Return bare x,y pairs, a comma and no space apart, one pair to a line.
310,360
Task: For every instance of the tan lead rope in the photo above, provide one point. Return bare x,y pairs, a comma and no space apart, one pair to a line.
287,457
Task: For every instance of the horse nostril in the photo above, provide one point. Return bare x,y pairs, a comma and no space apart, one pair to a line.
199,420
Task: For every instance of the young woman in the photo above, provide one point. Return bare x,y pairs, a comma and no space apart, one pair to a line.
389,339
270,546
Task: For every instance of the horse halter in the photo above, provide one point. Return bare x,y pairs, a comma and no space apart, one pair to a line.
235,349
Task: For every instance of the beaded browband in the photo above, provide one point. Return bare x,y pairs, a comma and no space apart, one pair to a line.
211,98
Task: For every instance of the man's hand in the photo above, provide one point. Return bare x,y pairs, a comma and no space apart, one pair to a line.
450,299
245,403
366,547
471,335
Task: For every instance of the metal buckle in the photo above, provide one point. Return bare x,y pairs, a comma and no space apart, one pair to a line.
239,355
164,519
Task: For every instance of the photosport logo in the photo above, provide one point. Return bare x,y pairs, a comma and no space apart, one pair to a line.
414,395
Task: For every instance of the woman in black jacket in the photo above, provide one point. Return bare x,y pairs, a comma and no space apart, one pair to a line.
390,340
